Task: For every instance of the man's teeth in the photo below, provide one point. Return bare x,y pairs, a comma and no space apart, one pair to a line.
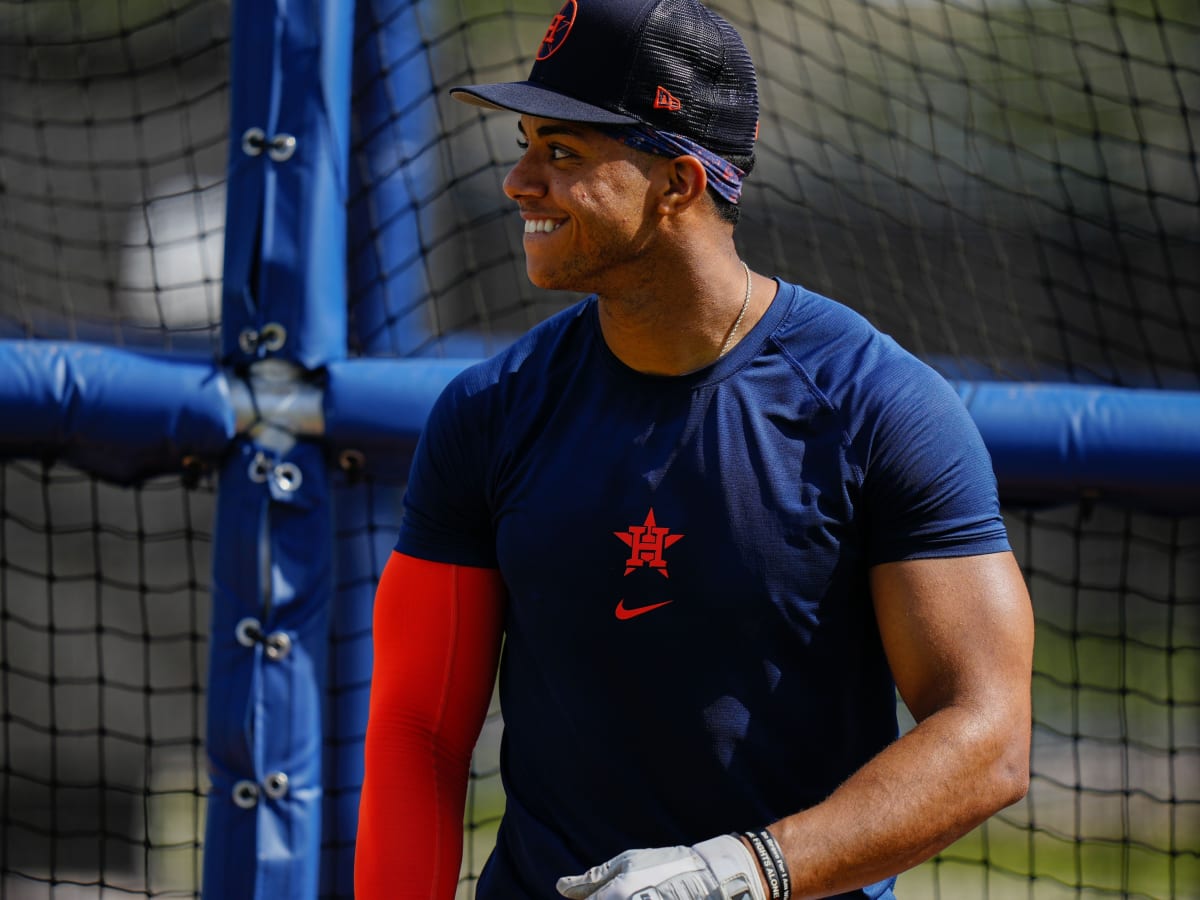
533,226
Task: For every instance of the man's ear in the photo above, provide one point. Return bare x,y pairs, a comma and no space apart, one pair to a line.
685,183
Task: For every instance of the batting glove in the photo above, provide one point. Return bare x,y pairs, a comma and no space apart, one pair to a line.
717,869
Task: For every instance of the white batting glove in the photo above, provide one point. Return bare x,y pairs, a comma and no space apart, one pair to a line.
717,869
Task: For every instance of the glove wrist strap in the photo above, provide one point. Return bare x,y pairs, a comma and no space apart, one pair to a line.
733,867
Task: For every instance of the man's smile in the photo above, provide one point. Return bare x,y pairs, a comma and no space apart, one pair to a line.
536,226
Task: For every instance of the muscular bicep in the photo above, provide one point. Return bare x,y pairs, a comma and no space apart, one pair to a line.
958,631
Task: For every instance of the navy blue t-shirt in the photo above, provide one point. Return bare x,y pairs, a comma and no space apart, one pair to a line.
690,644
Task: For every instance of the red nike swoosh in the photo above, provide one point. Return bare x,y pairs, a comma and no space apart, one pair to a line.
623,613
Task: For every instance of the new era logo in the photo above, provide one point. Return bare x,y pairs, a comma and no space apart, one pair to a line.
664,99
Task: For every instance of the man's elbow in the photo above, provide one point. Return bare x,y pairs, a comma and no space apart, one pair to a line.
1014,783
1010,770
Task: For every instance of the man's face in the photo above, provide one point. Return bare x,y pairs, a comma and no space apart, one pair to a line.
587,202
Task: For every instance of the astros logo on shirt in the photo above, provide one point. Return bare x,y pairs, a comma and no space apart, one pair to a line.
647,543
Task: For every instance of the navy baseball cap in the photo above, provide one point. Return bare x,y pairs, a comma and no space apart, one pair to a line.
671,64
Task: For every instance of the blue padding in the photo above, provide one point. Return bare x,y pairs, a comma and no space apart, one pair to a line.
285,237
1059,442
368,517
396,164
379,406
285,265
126,416
122,415
1050,443
272,561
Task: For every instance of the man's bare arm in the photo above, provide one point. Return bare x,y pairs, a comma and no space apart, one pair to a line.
958,634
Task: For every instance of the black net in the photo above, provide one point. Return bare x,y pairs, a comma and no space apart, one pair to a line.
1114,804
113,121
103,621
1010,188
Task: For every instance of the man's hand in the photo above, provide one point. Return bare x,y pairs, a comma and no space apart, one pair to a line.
717,869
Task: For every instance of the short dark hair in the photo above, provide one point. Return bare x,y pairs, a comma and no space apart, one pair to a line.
731,212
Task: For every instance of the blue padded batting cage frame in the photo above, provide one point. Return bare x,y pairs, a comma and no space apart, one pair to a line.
284,407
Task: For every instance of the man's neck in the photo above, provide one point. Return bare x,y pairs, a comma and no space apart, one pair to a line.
677,319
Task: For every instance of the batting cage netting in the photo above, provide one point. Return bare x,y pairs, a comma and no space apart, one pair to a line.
242,245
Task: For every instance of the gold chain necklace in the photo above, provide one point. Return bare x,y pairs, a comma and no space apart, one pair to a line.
741,315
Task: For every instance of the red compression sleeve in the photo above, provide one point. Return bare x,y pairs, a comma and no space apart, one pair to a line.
437,636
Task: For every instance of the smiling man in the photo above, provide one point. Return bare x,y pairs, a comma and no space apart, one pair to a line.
716,521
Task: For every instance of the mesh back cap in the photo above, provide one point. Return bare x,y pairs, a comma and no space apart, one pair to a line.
671,64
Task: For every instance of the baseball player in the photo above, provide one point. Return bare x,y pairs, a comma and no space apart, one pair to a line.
704,522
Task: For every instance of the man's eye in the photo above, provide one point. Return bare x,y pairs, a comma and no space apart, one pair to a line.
560,153
522,143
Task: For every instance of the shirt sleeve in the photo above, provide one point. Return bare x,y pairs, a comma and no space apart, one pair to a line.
929,486
447,515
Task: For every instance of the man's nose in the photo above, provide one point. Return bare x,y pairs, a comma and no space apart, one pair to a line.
522,180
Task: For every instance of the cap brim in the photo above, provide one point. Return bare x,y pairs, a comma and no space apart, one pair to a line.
534,100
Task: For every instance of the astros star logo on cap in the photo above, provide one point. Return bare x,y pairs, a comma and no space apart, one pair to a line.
560,27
